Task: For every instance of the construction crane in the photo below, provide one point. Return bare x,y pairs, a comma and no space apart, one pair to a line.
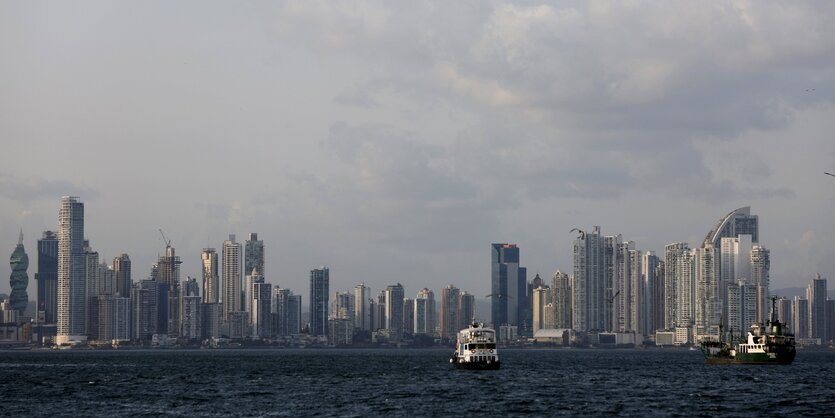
166,241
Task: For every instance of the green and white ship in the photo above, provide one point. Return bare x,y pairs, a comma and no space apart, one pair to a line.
769,344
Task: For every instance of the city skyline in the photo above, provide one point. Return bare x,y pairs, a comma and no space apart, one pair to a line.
416,133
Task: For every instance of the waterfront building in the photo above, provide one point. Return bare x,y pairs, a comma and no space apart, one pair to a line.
145,301
113,323
652,279
294,314
760,276
539,300
319,289
261,306
252,277
362,307
709,296
47,277
122,268
211,278
508,292
450,324
408,316
466,310
190,306
19,279
211,320
231,276
591,310
343,306
816,295
91,285
254,254
675,256
561,299
424,313
70,315
802,322
394,295
280,306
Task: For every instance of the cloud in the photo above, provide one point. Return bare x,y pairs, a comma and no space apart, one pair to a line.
29,189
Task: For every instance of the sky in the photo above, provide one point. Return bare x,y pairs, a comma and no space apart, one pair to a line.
395,141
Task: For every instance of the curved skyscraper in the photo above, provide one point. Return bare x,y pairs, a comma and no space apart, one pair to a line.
19,280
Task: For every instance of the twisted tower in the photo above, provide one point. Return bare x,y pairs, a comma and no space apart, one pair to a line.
19,280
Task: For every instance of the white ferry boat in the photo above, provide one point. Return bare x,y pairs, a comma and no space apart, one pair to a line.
476,349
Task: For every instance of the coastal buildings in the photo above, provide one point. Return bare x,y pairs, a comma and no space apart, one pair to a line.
508,291
424,313
71,303
19,279
449,321
47,277
232,277
319,289
209,273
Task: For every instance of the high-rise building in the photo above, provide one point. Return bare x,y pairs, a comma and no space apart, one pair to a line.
47,276
760,276
294,314
424,312
145,301
113,323
624,263
319,288
466,310
19,280
71,293
280,306
394,311
408,316
91,285
561,299
231,277
539,300
653,294
449,312
509,305
816,295
801,318
253,276
190,310
211,279
261,306
591,308
124,282
362,307
678,286
343,306
254,254
168,270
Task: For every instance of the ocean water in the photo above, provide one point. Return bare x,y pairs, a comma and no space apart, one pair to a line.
392,382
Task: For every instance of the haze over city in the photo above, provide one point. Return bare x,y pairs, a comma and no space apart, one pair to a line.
393,142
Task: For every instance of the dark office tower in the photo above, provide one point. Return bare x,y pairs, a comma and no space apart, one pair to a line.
319,288
91,288
144,302
466,310
509,287
121,266
816,295
450,323
394,311
408,316
379,309
211,279
47,276
294,314
254,254
70,316
19,280
168,267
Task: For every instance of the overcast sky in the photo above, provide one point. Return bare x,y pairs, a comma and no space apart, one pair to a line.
394,141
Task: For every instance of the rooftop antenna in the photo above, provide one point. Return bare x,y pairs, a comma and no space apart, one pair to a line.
20,238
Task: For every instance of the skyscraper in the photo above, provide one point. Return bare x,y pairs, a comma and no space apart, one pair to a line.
231,277
466,310
508,286
816,295
168,270
449,312
653,294
70,316
561,299
260,308
319,288
424,312
254,254
590,309
362,307
19,280
408,316
47,276
677,284
394,311
91,286
211,279
121,267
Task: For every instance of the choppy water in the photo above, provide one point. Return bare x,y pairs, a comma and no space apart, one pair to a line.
407,382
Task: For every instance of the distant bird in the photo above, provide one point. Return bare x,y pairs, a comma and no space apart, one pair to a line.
498,295
582,234
829,174
612,299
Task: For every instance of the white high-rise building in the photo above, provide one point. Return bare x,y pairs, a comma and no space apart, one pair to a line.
71,286
425,312
362,307
590,307
231,277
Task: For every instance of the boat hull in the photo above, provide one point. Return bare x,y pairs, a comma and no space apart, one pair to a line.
754,358
477,365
